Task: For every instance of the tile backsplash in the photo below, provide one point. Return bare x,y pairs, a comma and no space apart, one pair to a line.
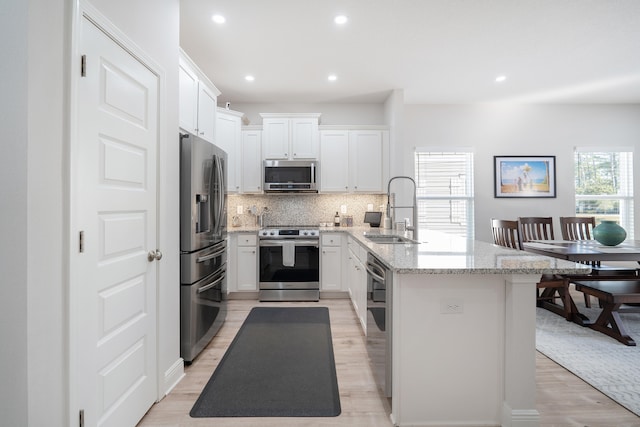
302,209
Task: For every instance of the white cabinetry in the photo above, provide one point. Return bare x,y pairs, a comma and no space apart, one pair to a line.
251,179
367,161
334,161
331,262
357,280
354,160
246,263
290,136
228,137
197,100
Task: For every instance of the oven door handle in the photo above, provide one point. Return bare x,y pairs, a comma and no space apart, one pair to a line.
212,284
369,267
211,255
296,242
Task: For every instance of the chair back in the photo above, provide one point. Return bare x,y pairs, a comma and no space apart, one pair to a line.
505,233
536,228
577,228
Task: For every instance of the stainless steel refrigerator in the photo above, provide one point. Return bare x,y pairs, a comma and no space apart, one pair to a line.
203,247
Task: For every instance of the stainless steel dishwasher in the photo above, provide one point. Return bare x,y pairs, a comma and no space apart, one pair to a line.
379,303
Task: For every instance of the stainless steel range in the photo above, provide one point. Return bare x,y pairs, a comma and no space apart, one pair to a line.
289,263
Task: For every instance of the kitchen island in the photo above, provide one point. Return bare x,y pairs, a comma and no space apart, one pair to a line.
463,329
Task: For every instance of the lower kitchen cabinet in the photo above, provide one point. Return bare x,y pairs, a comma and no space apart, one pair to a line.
245,264
331,262
357,281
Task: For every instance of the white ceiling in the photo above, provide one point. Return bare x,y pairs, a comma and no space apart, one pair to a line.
437,51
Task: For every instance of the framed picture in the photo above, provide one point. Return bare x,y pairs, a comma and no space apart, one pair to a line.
524,176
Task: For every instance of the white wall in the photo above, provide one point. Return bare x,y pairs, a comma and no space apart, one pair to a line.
394,118
522,130
47,352
13,208
332,114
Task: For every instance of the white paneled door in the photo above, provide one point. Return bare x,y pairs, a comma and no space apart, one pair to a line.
113,302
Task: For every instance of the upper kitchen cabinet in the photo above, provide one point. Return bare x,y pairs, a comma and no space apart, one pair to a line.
229,138
290,136
251,180
334,161
354,160
197,100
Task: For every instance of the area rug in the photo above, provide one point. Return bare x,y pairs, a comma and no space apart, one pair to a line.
606,364
280,364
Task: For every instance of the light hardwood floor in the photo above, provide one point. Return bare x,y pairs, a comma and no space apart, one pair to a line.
563,399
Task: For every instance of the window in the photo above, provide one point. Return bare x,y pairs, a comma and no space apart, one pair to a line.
444,181
604,185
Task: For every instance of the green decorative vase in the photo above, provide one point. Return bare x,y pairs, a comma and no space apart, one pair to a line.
609,233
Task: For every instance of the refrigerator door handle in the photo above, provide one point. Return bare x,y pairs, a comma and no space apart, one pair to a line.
214,191
221,189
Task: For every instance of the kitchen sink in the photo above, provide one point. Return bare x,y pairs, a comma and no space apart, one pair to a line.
386,239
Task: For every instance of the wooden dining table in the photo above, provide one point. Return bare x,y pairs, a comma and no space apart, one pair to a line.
612,291
585,250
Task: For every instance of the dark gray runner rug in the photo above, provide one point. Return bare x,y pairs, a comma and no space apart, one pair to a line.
280,364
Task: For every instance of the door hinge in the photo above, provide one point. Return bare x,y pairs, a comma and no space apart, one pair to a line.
81,242
81,418
83,66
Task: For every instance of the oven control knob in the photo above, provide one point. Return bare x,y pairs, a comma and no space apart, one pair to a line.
304,233
273,233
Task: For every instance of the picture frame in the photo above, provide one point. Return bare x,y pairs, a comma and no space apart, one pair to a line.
524,176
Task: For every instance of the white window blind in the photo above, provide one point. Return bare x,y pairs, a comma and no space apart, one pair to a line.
444,181
604,185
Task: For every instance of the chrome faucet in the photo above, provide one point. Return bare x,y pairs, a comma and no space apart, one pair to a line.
391,208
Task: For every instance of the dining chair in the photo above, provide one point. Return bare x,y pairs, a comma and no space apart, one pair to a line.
506,233
577,227
535,228
550,287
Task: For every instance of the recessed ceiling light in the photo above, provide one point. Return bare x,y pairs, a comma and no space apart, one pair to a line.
500,79
340,19
332,77
218,19
249,78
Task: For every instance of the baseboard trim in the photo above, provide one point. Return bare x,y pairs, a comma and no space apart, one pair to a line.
173,375
519,417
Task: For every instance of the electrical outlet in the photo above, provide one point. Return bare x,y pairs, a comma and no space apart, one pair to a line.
451,306
239,210
370,207
343,209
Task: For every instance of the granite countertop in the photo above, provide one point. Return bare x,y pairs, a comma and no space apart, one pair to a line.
440,253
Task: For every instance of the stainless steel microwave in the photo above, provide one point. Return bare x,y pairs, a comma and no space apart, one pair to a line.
290,176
